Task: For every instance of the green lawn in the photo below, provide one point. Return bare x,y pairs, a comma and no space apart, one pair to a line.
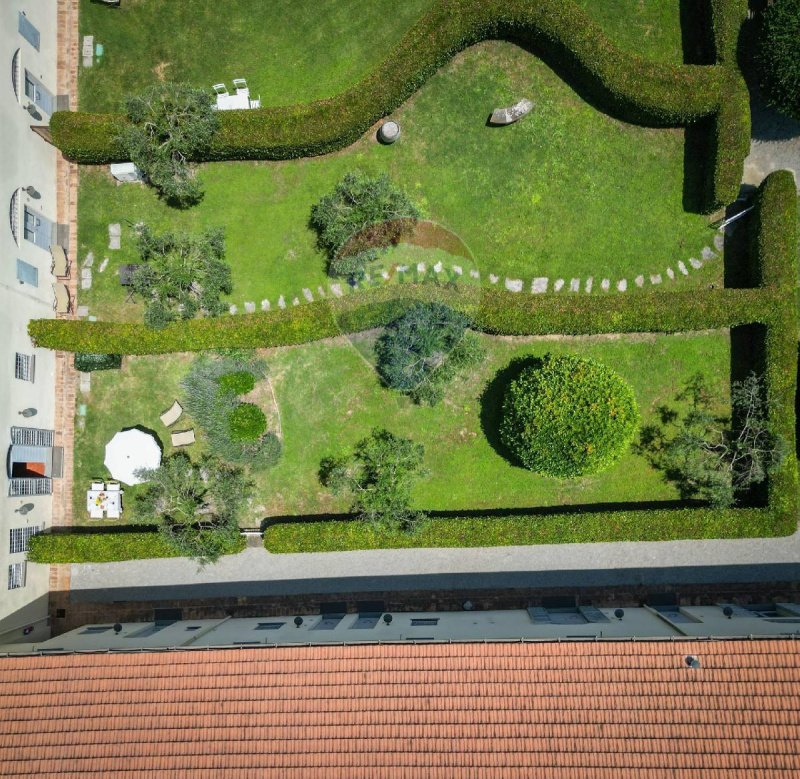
329,396
567,193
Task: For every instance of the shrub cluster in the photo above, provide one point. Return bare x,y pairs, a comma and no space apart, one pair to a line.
779,56
637,89
96,362
246,423
237,383
568,416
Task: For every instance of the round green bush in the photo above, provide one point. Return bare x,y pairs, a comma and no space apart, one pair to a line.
779,56
566,416
237,383
247,422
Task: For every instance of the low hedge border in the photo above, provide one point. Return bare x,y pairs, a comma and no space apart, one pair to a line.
109,547
636,89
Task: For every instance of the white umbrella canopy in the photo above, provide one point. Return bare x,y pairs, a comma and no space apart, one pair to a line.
130,450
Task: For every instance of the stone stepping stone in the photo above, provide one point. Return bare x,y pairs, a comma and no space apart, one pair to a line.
707,253
538,285
695,263
281,302
295,301
265,305
438,267
83,311
682,268
474,273
321,292
587,287
114,242
233,309
89,261
558,285
421,267
639,281
719,242
515,285
402,268
670,273
574,285
92,318
86,278
655,278
103,265
385,275
85,382
250,307
458,269
335,288
605,284
307,294
622,285
114,235
493,279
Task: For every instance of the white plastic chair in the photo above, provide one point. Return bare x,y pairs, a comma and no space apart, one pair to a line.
220,89
112,512
256,103
113,486
99,486
96,512
241,87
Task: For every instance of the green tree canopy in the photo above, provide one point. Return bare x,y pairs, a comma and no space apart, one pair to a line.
423,350
567,416
170,124
779,56
196,505
379,475
181,275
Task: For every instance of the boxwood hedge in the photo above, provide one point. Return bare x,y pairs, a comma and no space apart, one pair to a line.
638,90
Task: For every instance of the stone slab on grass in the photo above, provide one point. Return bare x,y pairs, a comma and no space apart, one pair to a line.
682,268
265,306
708,253
249,307
670,273
281,302
622,285
655,278
558,285
695,263
335,288
605,284
307,294
587,287
639,281
515,285
538,285
85,382
574,285
719,242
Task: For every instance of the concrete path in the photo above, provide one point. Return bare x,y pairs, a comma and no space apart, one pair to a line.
257,572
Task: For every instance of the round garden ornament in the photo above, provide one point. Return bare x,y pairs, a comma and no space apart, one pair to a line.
389,132
567,416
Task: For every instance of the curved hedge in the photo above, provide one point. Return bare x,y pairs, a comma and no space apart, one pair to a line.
636,89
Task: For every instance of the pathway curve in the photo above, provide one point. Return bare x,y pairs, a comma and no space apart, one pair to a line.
257,572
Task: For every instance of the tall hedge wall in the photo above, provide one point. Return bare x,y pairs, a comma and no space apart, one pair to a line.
639,90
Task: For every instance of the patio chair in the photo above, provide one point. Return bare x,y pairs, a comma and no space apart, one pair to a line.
220,89
112,512
96,513
114,486
98,486
241,87
60,266
256,103
62,303
183,438
171,415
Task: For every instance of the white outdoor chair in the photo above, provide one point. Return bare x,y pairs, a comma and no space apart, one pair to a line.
241,87
98,485
220,89
172,414
256,103
113,486
96,513
183,438
112,512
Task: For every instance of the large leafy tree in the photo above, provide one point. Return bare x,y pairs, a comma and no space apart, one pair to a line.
181,275
423,350
712,457
196,505
779,56
170,124
379,475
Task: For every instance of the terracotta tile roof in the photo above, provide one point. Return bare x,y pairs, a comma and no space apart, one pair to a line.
544,710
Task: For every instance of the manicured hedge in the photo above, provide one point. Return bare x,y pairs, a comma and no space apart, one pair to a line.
97,362
104,547
639,90
774,236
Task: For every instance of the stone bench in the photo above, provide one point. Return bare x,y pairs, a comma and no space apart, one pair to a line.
501,116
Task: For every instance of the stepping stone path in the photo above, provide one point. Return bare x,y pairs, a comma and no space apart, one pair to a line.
83,311
233,309
250,307
696,264
559,283
295,301
493,279
420,267
670,273
86,278
103,265
335,288
539,285
85,382
321,292
438,267
707,253
92,318
265,305
114,235
639,281
281,302
89,261
457,269
307,294
605,284
682,268
655,278
515,285
719,242
87,51
622,285
588,286
575,285
475,274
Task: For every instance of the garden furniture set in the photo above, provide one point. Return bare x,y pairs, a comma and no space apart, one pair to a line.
104,500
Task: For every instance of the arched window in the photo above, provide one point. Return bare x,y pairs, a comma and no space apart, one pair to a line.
13,215
15,73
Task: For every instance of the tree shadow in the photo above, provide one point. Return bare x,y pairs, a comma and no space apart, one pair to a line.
491,402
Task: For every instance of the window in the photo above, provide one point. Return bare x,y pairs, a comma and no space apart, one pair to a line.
16,576
28,31
95,629
269,626
19,538
27,273
24,367
419,622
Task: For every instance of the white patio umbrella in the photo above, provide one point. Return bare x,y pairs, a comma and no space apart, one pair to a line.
130,450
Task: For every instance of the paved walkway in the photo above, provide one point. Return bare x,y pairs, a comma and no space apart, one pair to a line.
256,572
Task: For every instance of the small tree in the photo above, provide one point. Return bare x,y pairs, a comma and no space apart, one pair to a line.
170,124
779,56
358,202
423,350
181,274
196,506
711,457
379,475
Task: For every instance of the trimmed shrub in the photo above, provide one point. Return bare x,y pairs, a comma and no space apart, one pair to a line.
352,266
247,423
636,89
567,416
237,382
96,362
779,56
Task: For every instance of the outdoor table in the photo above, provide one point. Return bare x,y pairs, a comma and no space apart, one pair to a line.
103,499
232,102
